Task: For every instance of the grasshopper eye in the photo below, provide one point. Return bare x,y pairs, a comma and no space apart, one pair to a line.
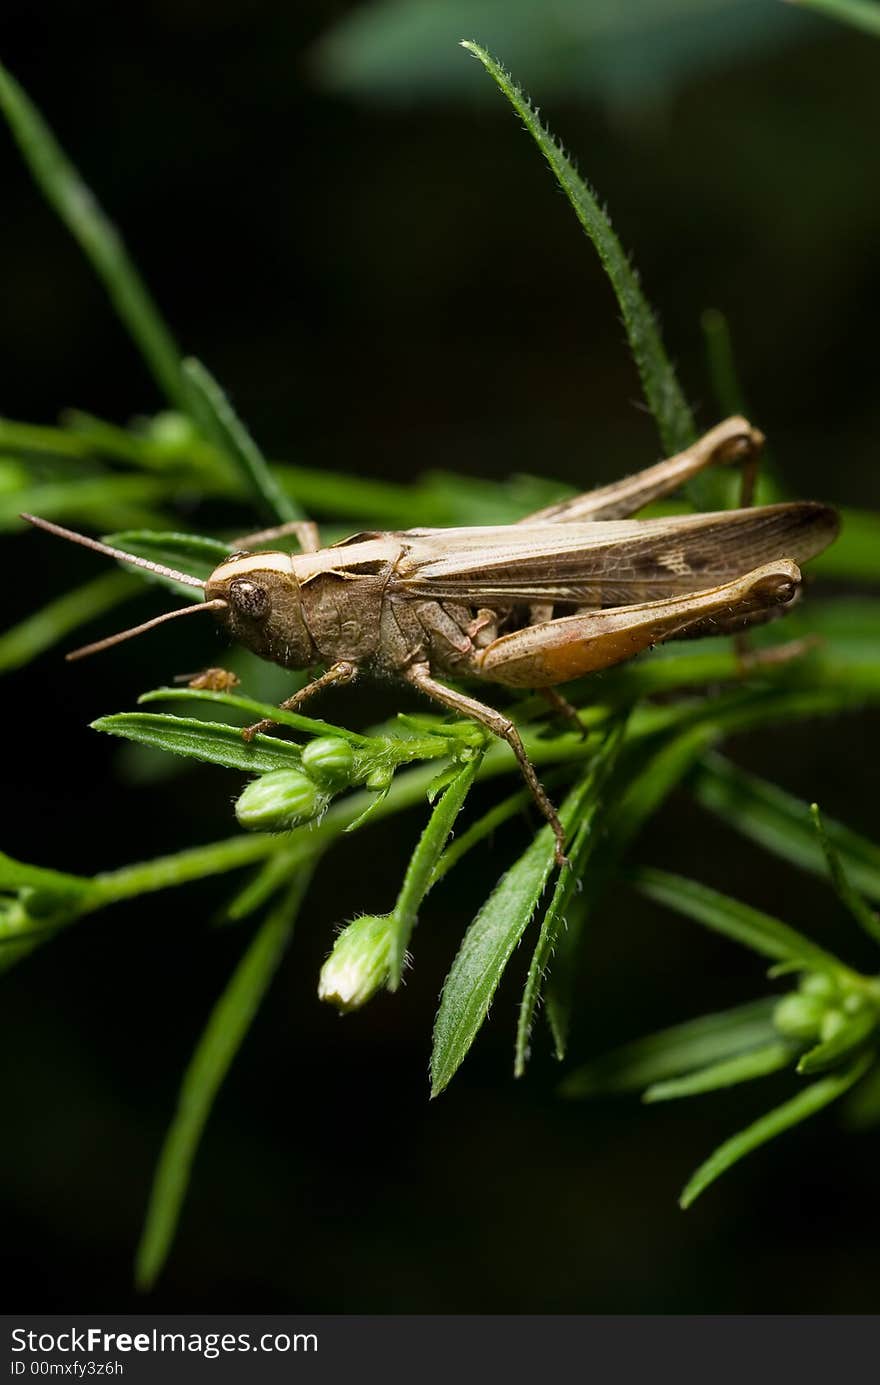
249,599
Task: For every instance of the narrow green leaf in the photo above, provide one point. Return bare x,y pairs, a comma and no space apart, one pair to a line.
852,1035
46,627
860,14
255,710
683,1048
74,203
16,875
568,883
191,553
212,741
489,944
224,1033
745,1067
761,932
849,897
662,390
807,1103
781,823
228,431
420,873
105,501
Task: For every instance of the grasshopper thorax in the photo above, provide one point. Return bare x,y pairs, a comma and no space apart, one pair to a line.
263,610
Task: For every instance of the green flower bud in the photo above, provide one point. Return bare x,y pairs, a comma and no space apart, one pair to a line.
275,801
380,778
172,432
820,984
832,1023
799,1016
358,965
854,1002
330,762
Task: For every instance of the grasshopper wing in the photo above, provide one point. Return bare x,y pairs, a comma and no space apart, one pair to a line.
606,563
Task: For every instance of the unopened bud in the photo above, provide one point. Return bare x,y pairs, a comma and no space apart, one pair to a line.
330,761
799,1016
358,965
820,984
278,800
832,1023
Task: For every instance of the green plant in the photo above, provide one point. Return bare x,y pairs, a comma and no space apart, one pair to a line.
330,781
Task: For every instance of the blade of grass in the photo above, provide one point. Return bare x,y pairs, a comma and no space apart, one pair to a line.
861,911
46,627
214,742
662,390
745,1067
567,884
807,1103
761,932
230,434
99,239
420,873
780,822
682,1048
860,14
488,946
223,1035
852,1035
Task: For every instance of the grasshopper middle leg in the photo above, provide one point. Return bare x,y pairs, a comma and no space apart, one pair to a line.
420,677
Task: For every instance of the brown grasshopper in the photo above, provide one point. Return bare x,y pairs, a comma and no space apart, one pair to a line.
572,589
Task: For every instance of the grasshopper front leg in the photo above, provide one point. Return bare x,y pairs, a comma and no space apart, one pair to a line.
540,656
305,531
500,725
343,672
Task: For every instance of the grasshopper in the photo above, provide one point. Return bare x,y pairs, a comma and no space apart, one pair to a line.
572,589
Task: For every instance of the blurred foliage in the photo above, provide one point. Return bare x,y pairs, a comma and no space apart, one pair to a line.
626,54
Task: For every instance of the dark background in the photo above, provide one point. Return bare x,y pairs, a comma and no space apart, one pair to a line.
386,288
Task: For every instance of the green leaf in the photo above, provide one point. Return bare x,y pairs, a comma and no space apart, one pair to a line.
633,56
662,390
46,627
860,14
489,944
853,1034
781,823
849,897
761,932
683,1048
807,1103
104,501
214,742
97,237
16,875
191,553
256,711
568,884
744,1067
230,434
224,1034
420,873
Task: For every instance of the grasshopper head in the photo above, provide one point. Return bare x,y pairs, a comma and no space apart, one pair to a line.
262,608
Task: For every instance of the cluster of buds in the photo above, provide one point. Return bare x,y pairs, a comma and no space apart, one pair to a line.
818,1010
286,798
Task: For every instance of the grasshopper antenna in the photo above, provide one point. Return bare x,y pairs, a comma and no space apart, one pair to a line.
158,568
110,640
97,547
